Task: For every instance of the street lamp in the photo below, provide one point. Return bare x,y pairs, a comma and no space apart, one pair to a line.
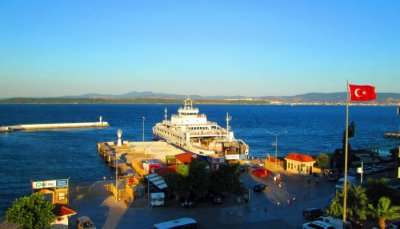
119,143
276,134
360,170
116,176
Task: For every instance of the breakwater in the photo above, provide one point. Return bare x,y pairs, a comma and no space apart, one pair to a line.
51,126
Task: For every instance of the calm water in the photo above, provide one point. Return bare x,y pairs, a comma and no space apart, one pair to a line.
25,156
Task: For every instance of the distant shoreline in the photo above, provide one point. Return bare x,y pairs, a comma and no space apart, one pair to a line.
151,101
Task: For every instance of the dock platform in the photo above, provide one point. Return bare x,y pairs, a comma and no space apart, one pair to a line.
53,126
392,135
135,152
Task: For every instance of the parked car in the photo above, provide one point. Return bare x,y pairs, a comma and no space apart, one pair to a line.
185,222
312,213
259,187
350,179
317,225
336,223
246,197
84,222
217,199
331,174
157,199
394,225
187,202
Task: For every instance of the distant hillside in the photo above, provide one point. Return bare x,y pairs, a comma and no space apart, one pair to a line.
152,97
340,97
149,94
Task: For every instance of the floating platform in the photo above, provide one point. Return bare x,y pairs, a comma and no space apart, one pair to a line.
53,126
392,135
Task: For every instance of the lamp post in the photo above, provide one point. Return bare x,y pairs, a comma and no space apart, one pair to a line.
119,143
116,176
276,134
143,118
360,170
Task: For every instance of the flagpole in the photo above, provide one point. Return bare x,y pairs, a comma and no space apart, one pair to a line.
346,156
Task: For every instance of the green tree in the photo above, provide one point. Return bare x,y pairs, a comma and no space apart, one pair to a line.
323,161
199,177
357,204
33,212
384,211
177,184
226,179
376,188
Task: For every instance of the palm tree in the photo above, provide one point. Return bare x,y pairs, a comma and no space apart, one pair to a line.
384,211
357,204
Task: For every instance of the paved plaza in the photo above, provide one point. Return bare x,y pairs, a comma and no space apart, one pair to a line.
276,207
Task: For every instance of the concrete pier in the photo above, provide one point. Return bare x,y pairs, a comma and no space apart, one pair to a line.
51,126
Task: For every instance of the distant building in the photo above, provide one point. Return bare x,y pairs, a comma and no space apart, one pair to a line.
299,163
62,214
274,164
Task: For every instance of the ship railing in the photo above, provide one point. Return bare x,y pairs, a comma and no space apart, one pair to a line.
213,133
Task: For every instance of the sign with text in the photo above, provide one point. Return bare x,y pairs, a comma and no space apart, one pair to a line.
61,183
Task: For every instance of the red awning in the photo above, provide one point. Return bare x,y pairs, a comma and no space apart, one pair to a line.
184,158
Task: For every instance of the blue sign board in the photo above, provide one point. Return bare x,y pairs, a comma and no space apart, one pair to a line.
62,183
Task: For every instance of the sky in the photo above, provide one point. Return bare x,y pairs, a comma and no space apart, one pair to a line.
251,48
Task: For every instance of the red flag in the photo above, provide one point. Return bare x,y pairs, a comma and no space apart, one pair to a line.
359,93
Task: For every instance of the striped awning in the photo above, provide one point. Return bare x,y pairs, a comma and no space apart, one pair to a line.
157,181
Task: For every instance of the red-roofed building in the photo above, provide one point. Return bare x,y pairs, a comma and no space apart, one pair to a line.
62,213
299,163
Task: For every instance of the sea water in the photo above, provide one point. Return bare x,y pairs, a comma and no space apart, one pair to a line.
27,156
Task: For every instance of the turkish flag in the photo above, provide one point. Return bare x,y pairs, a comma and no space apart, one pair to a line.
360,93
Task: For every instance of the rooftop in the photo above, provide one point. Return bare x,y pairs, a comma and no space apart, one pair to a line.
299,157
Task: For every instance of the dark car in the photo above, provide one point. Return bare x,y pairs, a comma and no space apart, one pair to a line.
84,222
312,213
187,202
217,199
394,225
259,187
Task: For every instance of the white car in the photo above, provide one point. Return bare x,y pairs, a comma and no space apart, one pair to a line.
318,225
340,182
336,223
157,199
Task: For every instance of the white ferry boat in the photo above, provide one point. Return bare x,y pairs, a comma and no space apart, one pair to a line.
191,131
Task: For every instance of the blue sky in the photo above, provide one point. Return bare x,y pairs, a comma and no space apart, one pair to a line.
254,48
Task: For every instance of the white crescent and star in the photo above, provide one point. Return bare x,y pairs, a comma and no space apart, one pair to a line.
357,92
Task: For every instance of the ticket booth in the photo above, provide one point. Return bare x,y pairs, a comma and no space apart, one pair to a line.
56,191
